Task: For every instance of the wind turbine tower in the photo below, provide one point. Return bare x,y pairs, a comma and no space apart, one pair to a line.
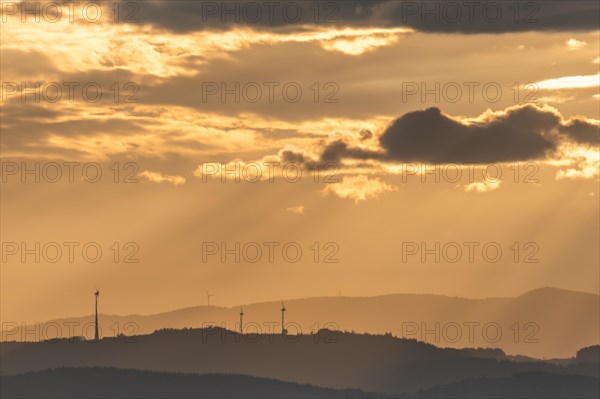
241,321
208,296
96,334
283,330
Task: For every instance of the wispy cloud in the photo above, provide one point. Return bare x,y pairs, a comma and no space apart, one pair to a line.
570,82
583,164
359,188
575,44
296,209
157,177
482,187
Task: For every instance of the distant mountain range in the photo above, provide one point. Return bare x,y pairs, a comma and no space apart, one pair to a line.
544,323
372,363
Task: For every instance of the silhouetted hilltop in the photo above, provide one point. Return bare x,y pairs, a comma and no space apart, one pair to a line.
520,385
121,383
590,354
544,323
374,363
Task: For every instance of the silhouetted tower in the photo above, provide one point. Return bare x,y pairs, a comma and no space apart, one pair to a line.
283,330
208,297
96,334
241,320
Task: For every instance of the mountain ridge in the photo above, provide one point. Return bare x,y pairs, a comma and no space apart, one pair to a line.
533,324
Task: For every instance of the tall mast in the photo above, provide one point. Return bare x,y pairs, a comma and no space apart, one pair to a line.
96,333
282,318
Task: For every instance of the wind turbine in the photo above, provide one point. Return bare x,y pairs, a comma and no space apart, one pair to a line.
241,321
96,334
283,330
208,297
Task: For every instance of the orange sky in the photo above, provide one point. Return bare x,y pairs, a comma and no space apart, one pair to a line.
362,85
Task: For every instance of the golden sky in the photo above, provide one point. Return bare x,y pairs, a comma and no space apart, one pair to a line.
388,103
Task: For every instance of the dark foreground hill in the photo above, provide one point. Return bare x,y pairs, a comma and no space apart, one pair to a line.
374,363
96,382
520,385
119,383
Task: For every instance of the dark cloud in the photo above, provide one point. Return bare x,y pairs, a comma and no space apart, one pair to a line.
338,149
519,134
490,16
581,131
288,156
365,134
428,16
185,16
429,136
334,151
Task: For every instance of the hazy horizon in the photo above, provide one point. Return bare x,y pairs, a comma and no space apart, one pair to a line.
275,300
